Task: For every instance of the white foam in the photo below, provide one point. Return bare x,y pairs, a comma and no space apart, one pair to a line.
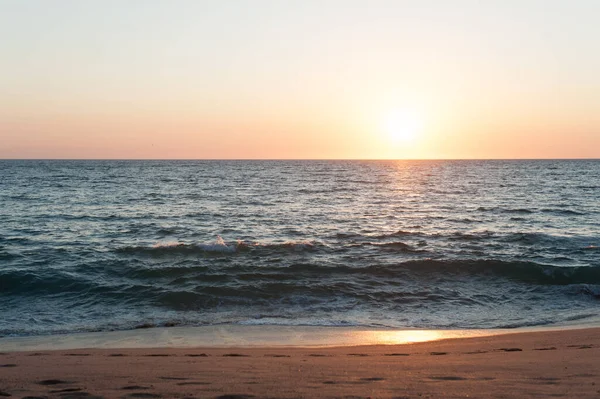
167,244
218,246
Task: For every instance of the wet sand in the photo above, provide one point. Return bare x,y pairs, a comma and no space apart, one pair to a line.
562,363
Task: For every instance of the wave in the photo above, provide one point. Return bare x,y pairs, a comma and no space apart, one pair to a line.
124,277
230,291
520,211
19,282
351,240
471,236
527,237
495,209
217,247
8,256
529,272
527,211
327,190
399,233
562,212
395,245
550,241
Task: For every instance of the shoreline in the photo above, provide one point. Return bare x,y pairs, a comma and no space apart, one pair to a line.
252,336
558,363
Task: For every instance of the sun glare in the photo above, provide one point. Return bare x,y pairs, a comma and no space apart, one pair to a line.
403,125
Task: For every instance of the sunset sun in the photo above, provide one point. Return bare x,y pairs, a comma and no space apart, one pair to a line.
402,125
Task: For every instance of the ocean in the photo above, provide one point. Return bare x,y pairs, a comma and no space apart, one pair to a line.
119,245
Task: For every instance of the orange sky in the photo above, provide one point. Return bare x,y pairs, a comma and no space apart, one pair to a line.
278,80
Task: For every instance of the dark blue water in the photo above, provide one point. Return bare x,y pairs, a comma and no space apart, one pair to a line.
105,245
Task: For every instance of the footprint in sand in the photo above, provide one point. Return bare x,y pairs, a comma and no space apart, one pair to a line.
75,393
358,354
370,379
8,365
54,382
581,346
67,390
396,354
197,355
193,383
69,395
438,353
546,380
174,378
135,387
235,397
268,355
511,349
447,378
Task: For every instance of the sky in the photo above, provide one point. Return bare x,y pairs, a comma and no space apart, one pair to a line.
326,79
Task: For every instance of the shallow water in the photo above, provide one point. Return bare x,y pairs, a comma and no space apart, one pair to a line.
112,245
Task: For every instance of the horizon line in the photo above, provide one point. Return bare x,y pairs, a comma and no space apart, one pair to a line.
300,159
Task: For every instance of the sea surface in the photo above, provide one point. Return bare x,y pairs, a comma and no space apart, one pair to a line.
116,245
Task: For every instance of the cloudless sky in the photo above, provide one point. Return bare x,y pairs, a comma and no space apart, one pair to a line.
299,79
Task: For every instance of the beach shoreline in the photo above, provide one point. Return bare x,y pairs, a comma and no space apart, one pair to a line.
559,362
248,336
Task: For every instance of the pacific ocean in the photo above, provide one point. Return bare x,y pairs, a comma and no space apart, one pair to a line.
116,245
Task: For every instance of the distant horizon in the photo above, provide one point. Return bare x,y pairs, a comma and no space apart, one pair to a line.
299,159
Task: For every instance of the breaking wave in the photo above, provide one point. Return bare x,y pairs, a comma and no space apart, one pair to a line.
218,247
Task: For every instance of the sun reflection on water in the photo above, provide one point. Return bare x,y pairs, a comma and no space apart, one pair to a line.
406,337
383,337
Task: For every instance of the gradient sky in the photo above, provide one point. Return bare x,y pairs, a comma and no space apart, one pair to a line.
298,79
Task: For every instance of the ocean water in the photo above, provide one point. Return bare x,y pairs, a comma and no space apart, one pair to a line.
114,245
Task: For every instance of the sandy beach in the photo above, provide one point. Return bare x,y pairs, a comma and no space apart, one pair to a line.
561,363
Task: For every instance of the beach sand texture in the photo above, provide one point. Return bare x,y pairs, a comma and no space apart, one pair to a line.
521,365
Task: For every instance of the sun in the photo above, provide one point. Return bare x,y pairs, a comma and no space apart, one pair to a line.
403,125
